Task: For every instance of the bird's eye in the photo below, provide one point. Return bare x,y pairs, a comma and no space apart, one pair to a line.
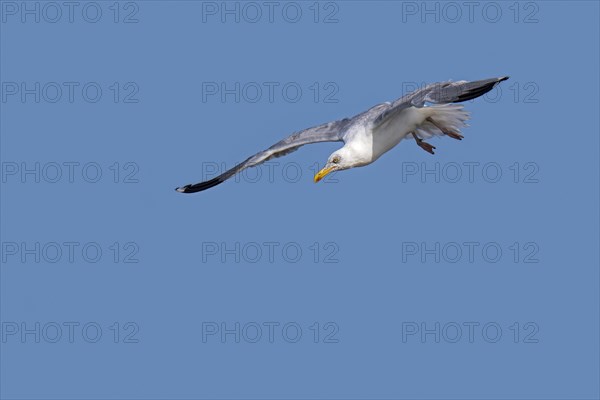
335,160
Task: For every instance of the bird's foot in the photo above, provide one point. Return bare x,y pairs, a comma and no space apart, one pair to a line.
422,144
453,135
425,146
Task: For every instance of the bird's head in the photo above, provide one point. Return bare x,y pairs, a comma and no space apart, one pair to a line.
337,161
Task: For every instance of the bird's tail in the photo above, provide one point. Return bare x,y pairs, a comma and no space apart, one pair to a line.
442,119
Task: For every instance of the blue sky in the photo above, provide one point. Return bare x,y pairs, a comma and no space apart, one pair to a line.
469,274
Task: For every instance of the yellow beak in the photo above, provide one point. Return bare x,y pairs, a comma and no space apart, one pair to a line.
322,173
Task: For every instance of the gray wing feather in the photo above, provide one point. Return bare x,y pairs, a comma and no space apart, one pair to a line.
329,132
439,93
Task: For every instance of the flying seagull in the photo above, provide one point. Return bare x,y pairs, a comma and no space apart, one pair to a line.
370,134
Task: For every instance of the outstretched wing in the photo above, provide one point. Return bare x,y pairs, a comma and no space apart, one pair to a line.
439,93
329,132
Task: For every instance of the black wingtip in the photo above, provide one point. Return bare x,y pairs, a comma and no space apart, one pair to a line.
198,187
182,189
479,90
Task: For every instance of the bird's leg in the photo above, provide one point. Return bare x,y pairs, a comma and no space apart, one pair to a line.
424,145
452,134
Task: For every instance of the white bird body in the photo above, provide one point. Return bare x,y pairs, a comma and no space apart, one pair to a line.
422,114
367,141
389,134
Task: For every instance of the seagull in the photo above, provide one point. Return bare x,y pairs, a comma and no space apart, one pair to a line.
420,115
